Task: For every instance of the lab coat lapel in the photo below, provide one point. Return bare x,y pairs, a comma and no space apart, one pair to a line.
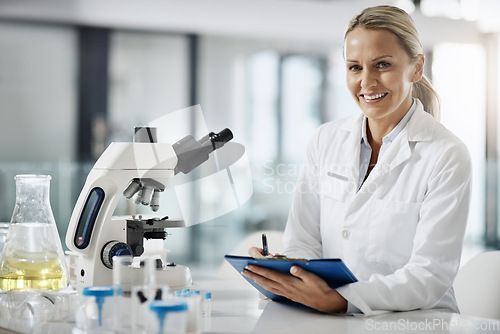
419,128
351,150
396,154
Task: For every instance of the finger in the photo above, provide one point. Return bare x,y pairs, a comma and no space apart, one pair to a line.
259,279
266,283
283,278
255,252
266,272
250,274
299,272
304,275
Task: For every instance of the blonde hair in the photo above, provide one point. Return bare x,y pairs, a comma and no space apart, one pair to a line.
398,22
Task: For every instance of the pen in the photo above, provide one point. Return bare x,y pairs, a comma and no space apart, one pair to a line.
264,245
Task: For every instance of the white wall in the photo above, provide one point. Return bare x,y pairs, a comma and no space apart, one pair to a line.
307,21
148,79
37,92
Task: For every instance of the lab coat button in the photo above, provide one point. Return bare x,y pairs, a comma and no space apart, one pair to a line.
346,234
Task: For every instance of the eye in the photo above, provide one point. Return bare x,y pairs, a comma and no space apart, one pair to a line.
383,64
354,68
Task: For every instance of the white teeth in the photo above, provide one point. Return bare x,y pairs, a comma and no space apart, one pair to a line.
374,97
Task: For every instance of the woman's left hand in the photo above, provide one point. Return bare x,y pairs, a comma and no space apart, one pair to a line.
301,286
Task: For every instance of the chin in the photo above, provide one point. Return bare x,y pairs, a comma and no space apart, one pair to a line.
374,112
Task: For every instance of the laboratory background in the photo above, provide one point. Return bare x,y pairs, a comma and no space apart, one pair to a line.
76,75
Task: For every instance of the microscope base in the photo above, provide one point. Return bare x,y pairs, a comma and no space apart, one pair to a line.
176,277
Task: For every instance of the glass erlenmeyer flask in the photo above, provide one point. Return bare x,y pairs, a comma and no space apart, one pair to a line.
33,255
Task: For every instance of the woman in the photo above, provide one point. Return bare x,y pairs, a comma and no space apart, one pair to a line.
387,191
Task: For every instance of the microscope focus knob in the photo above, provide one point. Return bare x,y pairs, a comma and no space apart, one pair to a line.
114,248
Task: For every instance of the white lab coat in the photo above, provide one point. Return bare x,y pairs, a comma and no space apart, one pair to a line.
402,233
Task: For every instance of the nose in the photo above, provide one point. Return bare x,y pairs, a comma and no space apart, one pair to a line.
368,79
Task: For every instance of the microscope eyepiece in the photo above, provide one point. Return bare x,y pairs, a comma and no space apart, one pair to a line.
214,141
191,152
219,139
222,137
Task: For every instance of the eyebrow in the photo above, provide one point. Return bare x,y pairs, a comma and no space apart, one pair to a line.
373,60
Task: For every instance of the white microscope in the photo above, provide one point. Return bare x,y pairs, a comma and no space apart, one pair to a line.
142,168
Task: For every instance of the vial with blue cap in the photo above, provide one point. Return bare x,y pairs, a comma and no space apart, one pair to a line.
207,304
170,316
193,300
99,310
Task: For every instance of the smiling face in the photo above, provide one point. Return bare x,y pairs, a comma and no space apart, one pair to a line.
380,74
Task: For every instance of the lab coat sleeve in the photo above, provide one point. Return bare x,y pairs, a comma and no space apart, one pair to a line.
437,247
351,309
302,237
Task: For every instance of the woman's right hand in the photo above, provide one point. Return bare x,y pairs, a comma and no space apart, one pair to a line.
255,252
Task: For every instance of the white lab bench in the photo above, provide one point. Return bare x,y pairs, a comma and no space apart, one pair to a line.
237,308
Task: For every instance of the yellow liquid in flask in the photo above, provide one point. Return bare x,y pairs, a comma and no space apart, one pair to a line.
31,259
33,271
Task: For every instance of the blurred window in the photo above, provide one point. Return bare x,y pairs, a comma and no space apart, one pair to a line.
459,76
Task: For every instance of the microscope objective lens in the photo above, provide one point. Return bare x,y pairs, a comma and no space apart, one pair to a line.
155,201
147,194
132,189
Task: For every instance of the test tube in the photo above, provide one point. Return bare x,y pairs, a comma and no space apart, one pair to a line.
122,277
144,293
73,267
141,299
122,284
207,304
150,273
207,311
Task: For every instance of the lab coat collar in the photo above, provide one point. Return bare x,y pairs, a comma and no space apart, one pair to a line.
420,127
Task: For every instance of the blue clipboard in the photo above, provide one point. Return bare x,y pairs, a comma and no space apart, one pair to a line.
333,271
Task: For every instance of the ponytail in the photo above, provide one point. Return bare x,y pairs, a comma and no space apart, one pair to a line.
424,91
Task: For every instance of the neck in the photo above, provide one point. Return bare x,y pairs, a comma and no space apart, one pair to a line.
377,129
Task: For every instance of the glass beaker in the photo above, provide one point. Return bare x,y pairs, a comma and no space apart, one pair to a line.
32,254
4,229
